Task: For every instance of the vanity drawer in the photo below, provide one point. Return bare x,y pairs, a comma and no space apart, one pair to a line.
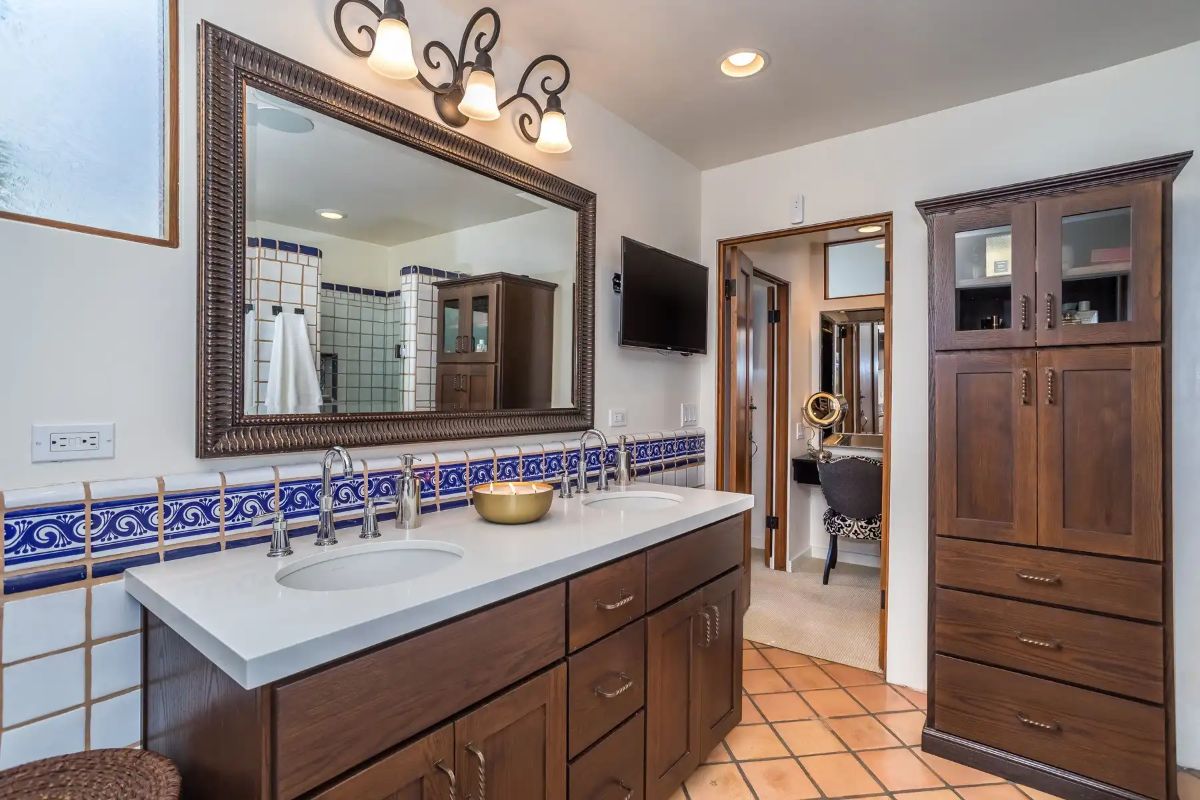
1119,742
614,767
341,716
1110,654
605,684
677,567
1092,583
604,599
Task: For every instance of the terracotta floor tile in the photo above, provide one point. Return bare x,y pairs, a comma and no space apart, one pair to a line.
1189,786
852,676
840,775
899,770
809,738
750,713
918,699
880,697
1002,791
862,733
783,706
786,658
748,742
1038,794
906,725
761,681
753,659
780,779
805,678
717,782
956,774
832,703
747,644
719,755
929,794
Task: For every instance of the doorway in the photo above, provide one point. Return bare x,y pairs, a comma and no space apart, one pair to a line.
779,295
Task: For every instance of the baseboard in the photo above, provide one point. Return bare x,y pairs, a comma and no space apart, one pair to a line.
861,559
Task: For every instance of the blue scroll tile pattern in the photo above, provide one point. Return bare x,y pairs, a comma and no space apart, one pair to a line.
191,515
124,524
244,503
44,535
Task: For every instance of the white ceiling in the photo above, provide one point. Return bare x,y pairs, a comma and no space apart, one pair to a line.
836,66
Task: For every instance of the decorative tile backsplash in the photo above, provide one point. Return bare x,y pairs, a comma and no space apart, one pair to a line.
70,642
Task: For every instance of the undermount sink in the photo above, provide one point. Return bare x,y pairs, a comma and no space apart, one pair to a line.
633,501
368,565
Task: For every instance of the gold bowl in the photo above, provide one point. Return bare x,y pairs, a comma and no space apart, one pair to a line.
513,502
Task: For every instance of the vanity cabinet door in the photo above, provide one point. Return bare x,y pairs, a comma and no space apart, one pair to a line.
466,387
516,745
985,420
423,770
1100,451
720,659
674,736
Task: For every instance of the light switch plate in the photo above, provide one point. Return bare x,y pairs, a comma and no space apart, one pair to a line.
689,416
797,209
74,442
617,418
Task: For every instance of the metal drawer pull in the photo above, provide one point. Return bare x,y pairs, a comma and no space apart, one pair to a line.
609,694
626,788
1049,386
475,751
1049,310
1041,726
1024,387
1029,576
1049,644
1024,312
449,773
717,624
625,599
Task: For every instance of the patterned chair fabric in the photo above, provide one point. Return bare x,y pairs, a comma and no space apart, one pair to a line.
853,486
839,525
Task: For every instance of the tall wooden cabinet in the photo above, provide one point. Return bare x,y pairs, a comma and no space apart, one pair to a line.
1050,604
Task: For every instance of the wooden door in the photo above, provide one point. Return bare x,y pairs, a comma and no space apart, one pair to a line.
719,650
983,278
985,461
516,745
674,741
736,477
1102,248
451,308
479,322
1100,451
466,387
423,770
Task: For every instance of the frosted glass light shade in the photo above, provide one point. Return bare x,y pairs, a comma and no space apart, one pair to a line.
552,138
479,96
392,55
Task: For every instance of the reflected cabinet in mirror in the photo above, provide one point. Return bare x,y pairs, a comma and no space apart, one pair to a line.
371,277
851,367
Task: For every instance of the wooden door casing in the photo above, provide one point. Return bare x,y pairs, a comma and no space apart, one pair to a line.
423,770
673,727
720,660
1100,451
986,445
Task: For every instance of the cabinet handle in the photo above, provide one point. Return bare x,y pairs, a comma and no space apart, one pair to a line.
1029,576
708,640
1049,386
475,751
1049,644
1041,726
624,787
717,624
1049,309
625,599
1024,312
449,773
1024,387
609,694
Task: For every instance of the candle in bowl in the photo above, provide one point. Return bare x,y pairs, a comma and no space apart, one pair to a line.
513,502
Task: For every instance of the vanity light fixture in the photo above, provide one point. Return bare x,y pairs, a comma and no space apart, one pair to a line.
331,213
870,229
743,62
470,91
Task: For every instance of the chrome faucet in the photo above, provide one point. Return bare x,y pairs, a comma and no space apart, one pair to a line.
581,469
325,535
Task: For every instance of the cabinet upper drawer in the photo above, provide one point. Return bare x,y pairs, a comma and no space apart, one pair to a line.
614,767
680,565
339,717
1092,583
606,683
604,599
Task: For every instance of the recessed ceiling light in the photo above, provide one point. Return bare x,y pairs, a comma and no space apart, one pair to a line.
331,213
870,229
879,245
743,63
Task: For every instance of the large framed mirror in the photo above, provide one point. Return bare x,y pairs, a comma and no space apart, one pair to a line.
370,277
852,367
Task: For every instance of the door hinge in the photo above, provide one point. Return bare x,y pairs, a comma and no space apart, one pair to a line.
730,287
887,271
774,316
883,598
772,522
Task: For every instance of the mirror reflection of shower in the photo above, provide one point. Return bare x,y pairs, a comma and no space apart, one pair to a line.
852,364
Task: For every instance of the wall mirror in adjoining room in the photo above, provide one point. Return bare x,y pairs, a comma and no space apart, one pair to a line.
371,277
851,367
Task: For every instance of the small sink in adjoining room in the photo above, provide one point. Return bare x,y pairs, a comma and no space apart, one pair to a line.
632,501
369,565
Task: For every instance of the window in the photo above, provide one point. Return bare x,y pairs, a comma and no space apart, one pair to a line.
87,128
854,269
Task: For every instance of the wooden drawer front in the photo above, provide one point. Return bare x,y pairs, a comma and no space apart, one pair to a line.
1119,742
340,717
1091,583
613,768
605,599
677,567
1110,654
606,683
410,772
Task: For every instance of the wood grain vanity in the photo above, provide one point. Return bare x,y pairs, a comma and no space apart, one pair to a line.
611,683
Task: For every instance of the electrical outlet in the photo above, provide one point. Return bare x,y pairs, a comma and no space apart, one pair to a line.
689,416
73,442
617,418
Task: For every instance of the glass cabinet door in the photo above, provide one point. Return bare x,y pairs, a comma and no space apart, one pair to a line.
479,322
984,278
1100,266
450,340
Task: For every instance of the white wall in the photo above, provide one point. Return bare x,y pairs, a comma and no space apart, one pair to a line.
101,329
349,261
1136,110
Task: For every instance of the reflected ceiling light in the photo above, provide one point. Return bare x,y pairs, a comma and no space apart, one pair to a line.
879,245
331,213
870,229
280,119
392,54
743,62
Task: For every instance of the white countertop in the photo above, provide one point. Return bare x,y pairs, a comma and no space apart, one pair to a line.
229,607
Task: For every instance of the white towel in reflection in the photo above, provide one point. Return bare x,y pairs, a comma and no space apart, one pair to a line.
248,363
292,387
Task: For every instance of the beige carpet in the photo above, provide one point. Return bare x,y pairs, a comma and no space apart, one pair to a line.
838,622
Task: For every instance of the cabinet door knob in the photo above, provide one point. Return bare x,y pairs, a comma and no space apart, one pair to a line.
1049,309
609,694
450,779
475,751
1041,726
625,599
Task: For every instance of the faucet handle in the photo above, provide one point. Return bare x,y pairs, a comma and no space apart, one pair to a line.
564,486
370,523
281,544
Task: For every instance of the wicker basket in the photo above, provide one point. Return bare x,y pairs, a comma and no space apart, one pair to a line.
124,774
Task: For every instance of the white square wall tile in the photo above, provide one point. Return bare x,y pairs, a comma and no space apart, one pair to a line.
43,686
43,624
48,737
117,722
113,610
116,665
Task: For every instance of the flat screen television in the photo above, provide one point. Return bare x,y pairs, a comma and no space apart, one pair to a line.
664,300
